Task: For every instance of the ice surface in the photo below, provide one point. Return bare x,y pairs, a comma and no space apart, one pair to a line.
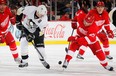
88,67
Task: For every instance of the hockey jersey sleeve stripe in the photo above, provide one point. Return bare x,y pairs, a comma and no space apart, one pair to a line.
107,25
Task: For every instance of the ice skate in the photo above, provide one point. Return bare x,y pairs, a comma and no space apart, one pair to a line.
109,68
46,65
65,64
20,62
23,64
109,57
80,57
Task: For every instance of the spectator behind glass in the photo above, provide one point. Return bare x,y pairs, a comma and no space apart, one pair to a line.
65,17
52,15
108,4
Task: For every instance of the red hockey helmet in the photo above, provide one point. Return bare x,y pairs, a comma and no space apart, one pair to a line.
100,3
89,19
2,1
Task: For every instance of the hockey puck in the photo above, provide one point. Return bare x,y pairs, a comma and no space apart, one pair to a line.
60,62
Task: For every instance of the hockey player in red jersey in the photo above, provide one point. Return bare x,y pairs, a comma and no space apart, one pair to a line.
86,35
102,21
5,35
80,14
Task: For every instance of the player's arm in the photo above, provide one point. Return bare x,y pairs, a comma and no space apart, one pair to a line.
19,18
107,27
75,19
11,16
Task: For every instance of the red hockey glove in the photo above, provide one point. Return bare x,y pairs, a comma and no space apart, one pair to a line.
71,38
110,34
74,25
13,20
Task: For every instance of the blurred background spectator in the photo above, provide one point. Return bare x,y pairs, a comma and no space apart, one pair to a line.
65,17
62,9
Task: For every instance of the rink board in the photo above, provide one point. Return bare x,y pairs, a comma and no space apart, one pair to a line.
56,32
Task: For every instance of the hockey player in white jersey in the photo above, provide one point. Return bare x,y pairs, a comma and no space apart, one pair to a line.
32,25
112,15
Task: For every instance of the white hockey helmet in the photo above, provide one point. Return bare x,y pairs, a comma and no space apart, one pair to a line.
41,10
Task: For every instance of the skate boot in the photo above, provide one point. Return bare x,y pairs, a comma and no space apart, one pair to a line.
109,68
109,57
20,62
80,57
23,64
65,64
45,64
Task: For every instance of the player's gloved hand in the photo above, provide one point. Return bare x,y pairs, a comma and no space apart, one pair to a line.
71,38
41,33
1,38
74,24
30,37
110,34
19,26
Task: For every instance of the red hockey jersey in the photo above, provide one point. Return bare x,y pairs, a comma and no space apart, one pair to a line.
80,14
101,20
5,17
89,33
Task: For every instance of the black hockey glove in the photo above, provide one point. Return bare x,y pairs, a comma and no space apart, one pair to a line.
19,26
30,37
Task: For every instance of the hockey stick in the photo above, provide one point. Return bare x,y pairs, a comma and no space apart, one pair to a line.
66,49
37,50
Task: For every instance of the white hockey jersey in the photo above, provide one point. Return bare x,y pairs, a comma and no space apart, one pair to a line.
30,23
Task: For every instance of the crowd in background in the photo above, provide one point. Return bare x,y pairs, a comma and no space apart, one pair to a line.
64,7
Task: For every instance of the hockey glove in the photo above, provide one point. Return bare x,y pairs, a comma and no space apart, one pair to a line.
30,37
71,38
110,34
74,25
19,26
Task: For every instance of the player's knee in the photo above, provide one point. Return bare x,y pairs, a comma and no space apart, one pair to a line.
13,46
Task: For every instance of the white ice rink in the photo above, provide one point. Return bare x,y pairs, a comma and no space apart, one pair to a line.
88,67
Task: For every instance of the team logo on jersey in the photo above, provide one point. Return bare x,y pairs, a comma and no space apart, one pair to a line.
100,22
5,22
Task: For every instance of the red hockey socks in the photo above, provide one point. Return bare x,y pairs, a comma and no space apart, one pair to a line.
101,56
13,49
